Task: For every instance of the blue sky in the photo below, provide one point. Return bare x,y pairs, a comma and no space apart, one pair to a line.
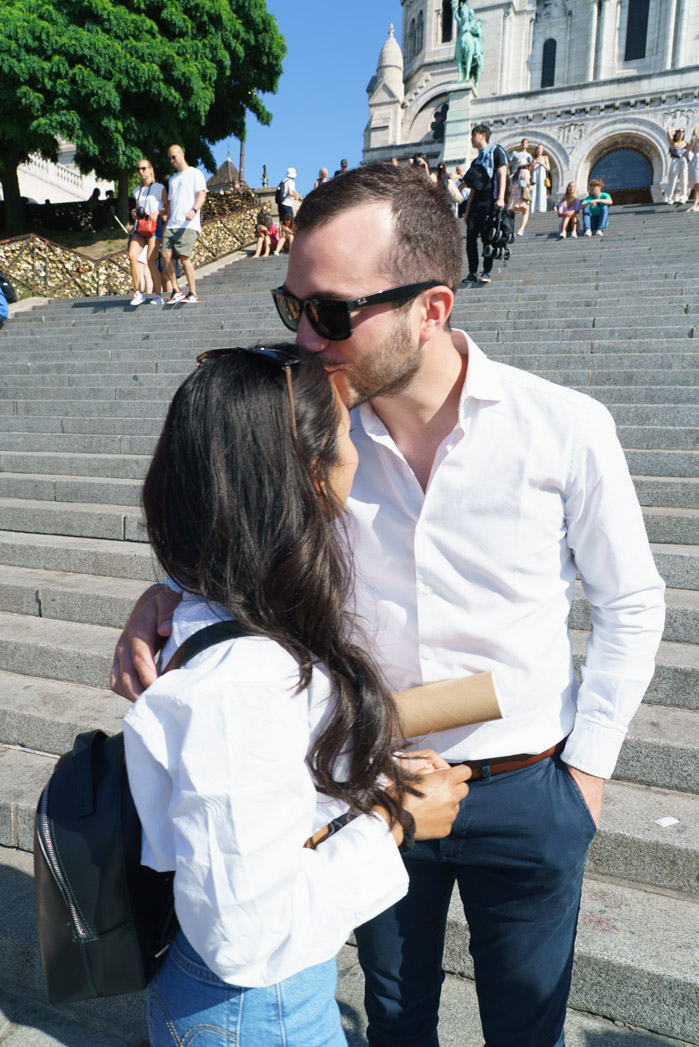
320,109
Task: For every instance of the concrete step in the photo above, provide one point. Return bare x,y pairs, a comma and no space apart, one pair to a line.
681,619
76,555
630,844
77,425
121,466
57,650
28,1021
138,407
99,600
678,565
668,462
76,444
67,489
676,679
662,749
46,715
635,958
640,413
80,519
670,492
679,526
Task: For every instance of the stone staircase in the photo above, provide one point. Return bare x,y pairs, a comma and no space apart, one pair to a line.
84,391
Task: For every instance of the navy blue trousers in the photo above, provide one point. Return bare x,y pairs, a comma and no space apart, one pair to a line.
517,853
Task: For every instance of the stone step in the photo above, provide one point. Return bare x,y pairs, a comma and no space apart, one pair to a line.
662,749
638,413
635,957
80,519
68,597
76,555
676,679
57,650
678,565
602,375
682,493
116,1021
681,619
76,444
678,526
77,425
126,407
657,462
67,489
122,466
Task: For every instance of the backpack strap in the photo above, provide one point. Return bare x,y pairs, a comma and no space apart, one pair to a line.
209,636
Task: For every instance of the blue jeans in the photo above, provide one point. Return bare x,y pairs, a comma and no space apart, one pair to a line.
596,221
517,852
189,1004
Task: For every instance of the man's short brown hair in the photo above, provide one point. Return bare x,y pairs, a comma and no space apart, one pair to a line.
427,241
596,181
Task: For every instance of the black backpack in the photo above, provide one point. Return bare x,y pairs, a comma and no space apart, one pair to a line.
104,921
7,289
280,193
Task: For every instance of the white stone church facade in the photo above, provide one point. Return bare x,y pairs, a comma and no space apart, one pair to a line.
597,82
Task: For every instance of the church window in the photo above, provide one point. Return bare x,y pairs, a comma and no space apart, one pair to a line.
447,21
419,33
623,169
410,46
636,30
548,63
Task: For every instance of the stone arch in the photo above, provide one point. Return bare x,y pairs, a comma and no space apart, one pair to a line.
643,136
556,152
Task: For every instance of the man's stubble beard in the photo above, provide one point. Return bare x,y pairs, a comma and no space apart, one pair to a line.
389,368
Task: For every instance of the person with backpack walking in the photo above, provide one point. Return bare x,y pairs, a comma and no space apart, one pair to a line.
245,764
286,192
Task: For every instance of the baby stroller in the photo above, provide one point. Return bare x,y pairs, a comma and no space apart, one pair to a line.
500,232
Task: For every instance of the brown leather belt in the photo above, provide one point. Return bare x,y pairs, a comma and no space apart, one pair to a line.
501,764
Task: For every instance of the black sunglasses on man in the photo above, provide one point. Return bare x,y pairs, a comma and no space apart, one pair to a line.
331,317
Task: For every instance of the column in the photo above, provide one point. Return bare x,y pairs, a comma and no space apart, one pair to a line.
603,40
670,20
680,32
592,45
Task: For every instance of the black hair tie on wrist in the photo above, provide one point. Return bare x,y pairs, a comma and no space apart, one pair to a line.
408,823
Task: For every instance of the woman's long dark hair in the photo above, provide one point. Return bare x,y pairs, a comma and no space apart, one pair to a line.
239,510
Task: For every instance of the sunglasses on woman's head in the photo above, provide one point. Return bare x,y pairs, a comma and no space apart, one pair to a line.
281,357
330,317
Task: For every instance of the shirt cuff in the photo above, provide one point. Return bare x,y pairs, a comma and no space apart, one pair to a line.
593,748
371,864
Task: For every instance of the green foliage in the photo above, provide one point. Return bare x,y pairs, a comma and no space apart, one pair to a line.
125,80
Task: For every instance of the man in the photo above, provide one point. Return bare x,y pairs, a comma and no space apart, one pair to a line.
520,157
287,193
343,168
486,190
186,196
476,484
595,209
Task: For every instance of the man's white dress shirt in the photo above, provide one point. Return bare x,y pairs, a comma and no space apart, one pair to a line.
477,572
216,756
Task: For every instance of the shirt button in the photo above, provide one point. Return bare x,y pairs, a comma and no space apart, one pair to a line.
425,590
427,653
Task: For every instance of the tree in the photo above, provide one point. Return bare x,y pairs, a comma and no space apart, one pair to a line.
124,81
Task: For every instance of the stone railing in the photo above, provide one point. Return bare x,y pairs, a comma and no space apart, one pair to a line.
37,266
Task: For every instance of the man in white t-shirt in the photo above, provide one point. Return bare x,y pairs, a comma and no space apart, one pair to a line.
187,193
520,156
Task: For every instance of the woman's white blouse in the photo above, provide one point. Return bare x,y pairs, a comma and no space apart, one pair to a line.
216,756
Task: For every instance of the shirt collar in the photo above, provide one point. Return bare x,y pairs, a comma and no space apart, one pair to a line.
482,382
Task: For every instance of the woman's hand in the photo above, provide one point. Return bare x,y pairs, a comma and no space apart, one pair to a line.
421,761
436,809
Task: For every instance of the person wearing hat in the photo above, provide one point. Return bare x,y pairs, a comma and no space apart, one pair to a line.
289,193
342,170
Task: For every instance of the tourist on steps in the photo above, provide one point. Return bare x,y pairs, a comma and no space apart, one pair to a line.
150,204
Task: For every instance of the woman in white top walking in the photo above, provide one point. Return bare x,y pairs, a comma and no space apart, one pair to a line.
239,758
147,215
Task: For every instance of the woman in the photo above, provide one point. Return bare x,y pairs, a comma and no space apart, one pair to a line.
521,194
568,209
267,235
286,237
322,177
693,171
541,170
679,149
238,758
147,216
